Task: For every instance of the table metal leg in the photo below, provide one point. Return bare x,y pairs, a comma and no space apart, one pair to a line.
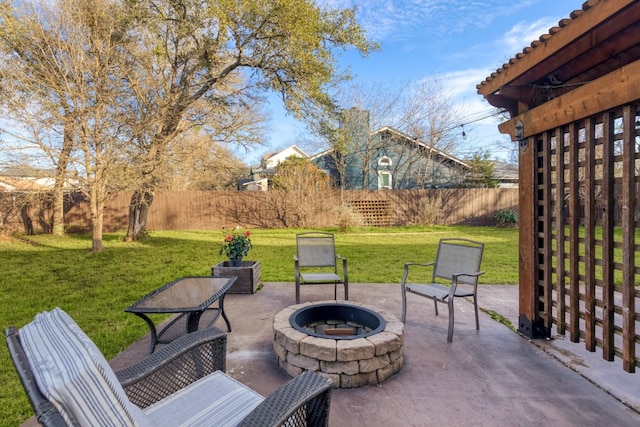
193,320
152,328
224,315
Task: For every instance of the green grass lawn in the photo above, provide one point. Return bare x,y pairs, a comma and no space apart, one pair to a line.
42,272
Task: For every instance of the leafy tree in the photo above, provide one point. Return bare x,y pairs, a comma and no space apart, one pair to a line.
105,86
481,173
213,55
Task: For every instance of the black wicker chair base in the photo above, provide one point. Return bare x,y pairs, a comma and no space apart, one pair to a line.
302,401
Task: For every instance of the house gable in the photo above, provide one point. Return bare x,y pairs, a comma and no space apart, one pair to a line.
260,175
391,159
275,159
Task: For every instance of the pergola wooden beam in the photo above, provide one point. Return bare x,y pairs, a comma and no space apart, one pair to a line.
606,36
545,58
614,89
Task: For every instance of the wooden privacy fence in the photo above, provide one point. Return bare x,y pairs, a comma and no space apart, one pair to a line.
200,210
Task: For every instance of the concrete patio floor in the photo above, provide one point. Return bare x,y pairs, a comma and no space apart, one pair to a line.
491,377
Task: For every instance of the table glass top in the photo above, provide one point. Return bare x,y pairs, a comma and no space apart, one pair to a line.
189,293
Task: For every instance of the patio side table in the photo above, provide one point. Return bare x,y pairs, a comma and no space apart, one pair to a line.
188,296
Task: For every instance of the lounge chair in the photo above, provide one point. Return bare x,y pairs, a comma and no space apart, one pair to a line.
69,382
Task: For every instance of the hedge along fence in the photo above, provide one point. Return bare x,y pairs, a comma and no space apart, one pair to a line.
209,210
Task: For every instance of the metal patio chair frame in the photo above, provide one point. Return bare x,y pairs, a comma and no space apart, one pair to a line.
316,263
457,260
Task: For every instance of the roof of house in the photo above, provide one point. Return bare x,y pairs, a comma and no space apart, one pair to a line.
25,178
505,171
434,150
272,159
27,172
403,135
22,184
601,37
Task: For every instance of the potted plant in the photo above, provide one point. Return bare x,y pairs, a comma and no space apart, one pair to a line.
236,245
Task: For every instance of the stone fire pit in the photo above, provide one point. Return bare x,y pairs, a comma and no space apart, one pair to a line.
363,347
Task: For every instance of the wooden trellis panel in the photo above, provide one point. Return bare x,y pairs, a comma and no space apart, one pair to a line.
377,213
588,270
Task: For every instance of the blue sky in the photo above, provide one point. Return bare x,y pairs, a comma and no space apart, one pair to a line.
459,42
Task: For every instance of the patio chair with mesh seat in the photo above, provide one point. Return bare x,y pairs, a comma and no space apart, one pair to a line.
457,261
316,263
69,383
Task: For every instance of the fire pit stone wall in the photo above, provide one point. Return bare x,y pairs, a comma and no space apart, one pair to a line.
347,363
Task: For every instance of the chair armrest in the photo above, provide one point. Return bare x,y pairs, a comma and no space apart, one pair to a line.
476,274
454,278
175,366
344,266
414,264
406,271
454,281
46,413
302,401
408,264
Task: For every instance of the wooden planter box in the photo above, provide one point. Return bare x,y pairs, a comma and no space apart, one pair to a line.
248,276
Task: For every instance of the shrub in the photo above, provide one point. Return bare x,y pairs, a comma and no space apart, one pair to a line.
348,217
506,218
430,212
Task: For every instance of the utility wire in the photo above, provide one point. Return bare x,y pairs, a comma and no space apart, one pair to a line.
467,122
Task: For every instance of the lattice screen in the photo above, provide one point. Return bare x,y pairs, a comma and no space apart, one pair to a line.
587,191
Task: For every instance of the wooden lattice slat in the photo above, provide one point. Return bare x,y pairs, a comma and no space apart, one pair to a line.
374,212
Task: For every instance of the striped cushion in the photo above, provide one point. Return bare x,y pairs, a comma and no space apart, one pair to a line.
215,400
72,373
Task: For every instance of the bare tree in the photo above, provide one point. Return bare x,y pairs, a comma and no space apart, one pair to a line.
418,122
63,64
299,192
197,163
35,80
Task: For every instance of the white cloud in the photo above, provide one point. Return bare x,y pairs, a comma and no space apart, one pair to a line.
462,82
461,86
523,33
406,19
505,46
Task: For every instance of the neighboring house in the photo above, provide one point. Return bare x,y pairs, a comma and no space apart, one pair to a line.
506,174
260,174
25,180
384,159
388,159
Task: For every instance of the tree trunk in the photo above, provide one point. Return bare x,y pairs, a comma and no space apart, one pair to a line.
57,223
57,226
96,208
138,211
96,236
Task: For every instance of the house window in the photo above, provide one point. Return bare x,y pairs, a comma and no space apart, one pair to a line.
384,161
384,181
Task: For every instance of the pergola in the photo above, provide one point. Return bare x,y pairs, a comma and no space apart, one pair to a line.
574,98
